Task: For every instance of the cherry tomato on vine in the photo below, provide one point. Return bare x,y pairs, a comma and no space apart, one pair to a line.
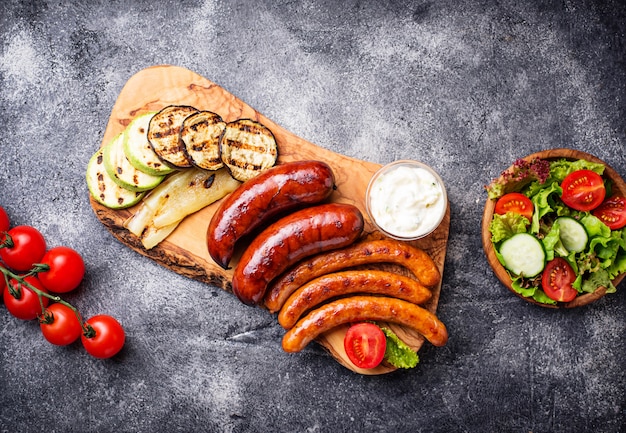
5,223
557,280
612,212
583,190
27,248
59,325
66,269
27,305
515,202
365,345
104,336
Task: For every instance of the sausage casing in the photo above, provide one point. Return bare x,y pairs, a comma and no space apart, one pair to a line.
361,308
301,234
366,252
338,284
257,201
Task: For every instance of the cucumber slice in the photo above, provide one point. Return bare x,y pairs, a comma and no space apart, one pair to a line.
122,171
573,234
523,255
138,150
104,190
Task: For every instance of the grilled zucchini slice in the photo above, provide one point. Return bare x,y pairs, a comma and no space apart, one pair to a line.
247,147
138,150
122,171
164,134
200,134
104,190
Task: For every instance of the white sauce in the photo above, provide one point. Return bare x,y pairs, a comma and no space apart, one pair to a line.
407,202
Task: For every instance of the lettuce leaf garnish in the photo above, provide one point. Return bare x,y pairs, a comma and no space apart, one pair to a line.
397,352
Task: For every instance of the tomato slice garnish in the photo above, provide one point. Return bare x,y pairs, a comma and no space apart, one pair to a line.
365,345
515,202
612,212
557,280
583,190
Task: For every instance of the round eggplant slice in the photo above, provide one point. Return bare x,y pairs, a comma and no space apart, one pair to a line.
164,134
200,135
247,148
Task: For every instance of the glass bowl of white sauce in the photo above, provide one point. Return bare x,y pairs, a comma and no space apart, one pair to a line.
406,200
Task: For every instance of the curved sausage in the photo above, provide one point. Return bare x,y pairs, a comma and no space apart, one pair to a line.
342,283
366,252
301,234
360,308
256,202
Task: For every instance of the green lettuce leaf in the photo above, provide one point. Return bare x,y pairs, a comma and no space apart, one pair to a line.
398,353
561,168
504,226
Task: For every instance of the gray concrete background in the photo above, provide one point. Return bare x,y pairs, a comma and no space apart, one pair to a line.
466,87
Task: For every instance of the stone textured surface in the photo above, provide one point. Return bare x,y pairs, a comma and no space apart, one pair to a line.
466,87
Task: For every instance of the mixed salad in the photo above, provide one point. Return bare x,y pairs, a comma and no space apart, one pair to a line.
557,228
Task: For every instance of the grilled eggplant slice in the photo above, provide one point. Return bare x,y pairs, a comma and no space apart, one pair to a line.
164,134
138,150
247,147
104,190
122,171
200,134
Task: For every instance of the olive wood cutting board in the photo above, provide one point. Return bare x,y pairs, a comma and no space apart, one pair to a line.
185,251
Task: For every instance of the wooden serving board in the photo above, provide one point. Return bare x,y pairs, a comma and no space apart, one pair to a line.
185,251
553,154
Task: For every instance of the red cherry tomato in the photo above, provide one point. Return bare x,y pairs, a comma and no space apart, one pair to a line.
365,345
515,202
612,212
59,325
66,270
557,280
583,190
26,306
5,224
107,339
28,247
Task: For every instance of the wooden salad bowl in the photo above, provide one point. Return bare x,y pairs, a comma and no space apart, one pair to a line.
185,250
553,154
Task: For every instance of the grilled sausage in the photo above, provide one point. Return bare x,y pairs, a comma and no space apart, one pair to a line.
256,202
338,284
366,252
360,308
301,234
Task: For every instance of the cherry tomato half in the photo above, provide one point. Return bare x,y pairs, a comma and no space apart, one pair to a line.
557,280
583,190
365,345
66,270
27,305
28,248
5,224
59,325
107,339
515,202
612,212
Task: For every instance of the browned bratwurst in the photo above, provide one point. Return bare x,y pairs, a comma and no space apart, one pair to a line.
362,253
256,202
338,284
301,234
360,308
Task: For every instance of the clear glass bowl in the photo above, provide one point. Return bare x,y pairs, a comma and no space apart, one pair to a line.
406,200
